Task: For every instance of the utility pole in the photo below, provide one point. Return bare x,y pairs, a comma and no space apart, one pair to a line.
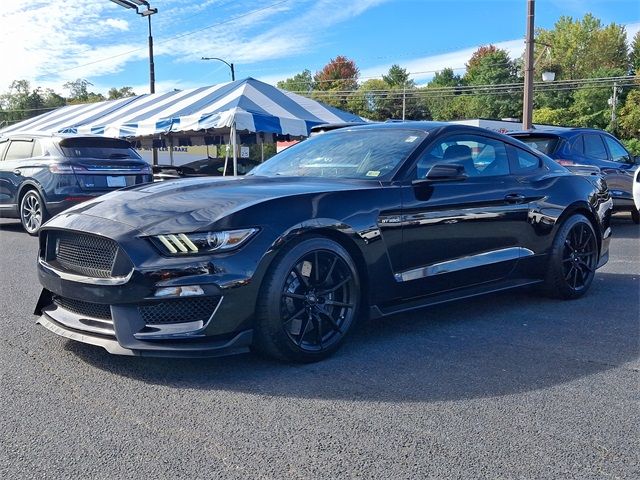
404,100
527,104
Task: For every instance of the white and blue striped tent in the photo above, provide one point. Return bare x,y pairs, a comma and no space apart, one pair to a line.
244,105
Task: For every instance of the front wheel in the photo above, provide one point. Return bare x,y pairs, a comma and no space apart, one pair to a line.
573,259
32,212
308,302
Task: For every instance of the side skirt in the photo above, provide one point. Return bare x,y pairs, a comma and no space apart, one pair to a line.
450,296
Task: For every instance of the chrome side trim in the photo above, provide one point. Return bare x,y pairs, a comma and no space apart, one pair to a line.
8,205
73,277
177,330
472,261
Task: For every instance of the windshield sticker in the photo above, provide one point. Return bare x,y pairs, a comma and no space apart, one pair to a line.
411,139
373,173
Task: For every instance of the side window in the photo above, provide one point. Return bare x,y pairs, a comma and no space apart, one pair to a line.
594,148
618,152
578,145
3,148
525,161
19,149
480,156
38,151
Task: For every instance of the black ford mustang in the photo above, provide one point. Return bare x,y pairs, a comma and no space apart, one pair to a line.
375,220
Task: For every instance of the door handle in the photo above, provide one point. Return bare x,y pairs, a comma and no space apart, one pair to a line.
17,172
514,198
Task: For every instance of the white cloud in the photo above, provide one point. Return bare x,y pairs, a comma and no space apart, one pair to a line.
117,23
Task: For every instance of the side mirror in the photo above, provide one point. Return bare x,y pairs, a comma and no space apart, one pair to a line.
636,160
443,172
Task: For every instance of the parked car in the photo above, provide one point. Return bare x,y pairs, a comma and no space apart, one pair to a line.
377,219
205,167
41,175
578,147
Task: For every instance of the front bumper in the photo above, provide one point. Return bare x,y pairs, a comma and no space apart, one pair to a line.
238,344
132,319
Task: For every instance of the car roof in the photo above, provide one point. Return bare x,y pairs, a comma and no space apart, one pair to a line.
558,131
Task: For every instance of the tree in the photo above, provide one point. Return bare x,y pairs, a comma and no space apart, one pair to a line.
340,75
398,77
629,117
634,56
123,92
78,92
492,66
300,82
21,102
444,103
579,47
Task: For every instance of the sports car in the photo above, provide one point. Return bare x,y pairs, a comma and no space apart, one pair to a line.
364,221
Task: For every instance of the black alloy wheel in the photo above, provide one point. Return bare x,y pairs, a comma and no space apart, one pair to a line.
574,258
315,304
32,212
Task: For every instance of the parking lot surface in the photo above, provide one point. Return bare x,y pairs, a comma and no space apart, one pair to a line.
507,386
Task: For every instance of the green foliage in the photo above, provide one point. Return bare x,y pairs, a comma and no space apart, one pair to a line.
629,116
444,103
551,116
634,55
633,145
492,66
300,82
78,92
578,47
398,77
124,92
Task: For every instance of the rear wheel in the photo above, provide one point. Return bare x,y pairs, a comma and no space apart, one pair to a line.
32,212
308,302
573,259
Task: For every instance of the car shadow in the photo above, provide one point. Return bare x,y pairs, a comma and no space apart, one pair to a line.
9,226
497,345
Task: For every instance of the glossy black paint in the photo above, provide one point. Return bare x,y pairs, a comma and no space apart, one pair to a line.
478,234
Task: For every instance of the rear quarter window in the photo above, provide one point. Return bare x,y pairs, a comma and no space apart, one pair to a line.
524,161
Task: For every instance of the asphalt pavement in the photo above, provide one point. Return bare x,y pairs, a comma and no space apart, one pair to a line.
512,385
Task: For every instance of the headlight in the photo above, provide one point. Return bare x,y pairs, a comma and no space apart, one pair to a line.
202,242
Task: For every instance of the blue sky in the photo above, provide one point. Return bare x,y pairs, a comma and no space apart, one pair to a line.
51,42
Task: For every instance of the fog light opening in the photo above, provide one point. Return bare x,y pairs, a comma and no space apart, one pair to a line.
186,291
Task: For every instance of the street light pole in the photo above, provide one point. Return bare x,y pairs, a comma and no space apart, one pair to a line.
230,65
134,4
527,105
152,68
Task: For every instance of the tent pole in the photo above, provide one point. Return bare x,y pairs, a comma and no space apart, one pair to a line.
226,159
235,155
171,150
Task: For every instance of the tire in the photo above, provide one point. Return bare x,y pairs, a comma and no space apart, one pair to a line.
33,213
635,216
308,302
573,259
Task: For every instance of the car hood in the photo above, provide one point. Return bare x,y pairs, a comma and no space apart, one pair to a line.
184,205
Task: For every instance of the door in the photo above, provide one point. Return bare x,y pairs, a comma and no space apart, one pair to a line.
462,232
10,174
620,173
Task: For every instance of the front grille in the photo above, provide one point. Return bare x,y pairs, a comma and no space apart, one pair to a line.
191,309
88,255
88,309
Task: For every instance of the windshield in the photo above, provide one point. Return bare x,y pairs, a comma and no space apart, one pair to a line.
360,153
545,144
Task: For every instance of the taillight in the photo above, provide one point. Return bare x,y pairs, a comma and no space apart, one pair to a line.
60,168
565,162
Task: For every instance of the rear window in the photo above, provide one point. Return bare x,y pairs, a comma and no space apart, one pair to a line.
544,144
91,147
